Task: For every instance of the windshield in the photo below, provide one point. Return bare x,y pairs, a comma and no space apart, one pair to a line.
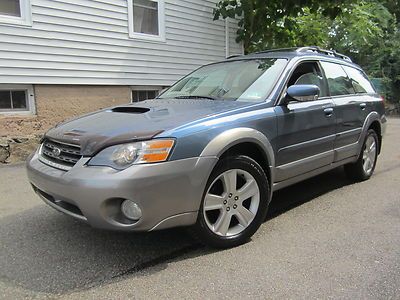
241,80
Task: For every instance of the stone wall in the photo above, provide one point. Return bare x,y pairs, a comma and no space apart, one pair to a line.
19,135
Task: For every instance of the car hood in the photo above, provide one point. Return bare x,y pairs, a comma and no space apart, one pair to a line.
133,122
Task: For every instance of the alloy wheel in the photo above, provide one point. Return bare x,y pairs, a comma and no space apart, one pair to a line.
369,155
231,202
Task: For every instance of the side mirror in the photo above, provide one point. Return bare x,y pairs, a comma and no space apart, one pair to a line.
302,92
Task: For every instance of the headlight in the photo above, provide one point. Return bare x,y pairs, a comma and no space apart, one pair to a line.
122,156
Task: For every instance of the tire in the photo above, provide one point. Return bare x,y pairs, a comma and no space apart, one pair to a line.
229,215
362,170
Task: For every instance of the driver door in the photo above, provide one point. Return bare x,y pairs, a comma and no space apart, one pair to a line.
306,130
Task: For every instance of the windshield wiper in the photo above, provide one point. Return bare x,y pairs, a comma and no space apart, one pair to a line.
195,97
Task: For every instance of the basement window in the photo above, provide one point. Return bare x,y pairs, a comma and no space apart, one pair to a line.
144,93
17,100
15,12
146,19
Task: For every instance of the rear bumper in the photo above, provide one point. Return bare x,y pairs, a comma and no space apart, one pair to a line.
168,193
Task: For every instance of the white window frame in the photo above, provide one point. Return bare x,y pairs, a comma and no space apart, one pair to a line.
144,36
24,20
31,109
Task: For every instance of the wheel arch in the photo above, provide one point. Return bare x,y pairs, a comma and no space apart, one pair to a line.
245,141
376,126
253,151
372,121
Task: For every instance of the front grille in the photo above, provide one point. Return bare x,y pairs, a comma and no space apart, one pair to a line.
60,155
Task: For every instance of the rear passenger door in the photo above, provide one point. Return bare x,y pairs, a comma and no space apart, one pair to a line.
364,90
349,108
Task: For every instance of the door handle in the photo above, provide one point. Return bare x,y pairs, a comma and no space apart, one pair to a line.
328,111
363,106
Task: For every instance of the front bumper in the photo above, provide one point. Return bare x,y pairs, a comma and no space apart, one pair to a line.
168,193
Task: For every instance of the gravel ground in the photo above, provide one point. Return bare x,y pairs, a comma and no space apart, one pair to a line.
324,238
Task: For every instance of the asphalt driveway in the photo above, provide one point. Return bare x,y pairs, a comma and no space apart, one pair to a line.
324,238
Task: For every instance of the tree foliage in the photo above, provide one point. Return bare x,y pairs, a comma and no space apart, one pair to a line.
267,23
366,30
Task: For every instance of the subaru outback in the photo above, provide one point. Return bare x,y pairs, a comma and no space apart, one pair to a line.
209,152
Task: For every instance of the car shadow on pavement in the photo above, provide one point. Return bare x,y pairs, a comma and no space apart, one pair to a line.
42,250
305,191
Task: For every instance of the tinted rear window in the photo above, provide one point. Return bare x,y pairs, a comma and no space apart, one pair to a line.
338,81
360,82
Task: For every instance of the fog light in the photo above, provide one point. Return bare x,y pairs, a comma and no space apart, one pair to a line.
131,210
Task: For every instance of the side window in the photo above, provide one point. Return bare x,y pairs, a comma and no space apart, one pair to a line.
10,8
16,12
146,19
338,81
360,82
309,73
17,99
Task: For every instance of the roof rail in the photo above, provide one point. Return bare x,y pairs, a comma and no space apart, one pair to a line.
278,50
234,55
317,49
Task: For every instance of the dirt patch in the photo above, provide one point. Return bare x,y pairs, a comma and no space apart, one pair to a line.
19,135
17,149
57,103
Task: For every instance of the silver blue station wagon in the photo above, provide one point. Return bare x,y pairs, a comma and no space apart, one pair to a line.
209,152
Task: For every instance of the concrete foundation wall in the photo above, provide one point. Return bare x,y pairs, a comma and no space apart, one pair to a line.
54,104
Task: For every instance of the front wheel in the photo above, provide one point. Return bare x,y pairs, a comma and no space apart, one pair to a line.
234,203
364,167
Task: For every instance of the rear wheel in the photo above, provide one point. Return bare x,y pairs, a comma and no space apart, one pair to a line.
234,204
364,167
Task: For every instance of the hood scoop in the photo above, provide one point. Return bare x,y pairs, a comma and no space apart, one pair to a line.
130,109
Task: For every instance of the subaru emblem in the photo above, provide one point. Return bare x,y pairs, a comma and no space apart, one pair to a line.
56,152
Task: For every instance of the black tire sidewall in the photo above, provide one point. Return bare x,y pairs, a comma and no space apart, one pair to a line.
251,166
